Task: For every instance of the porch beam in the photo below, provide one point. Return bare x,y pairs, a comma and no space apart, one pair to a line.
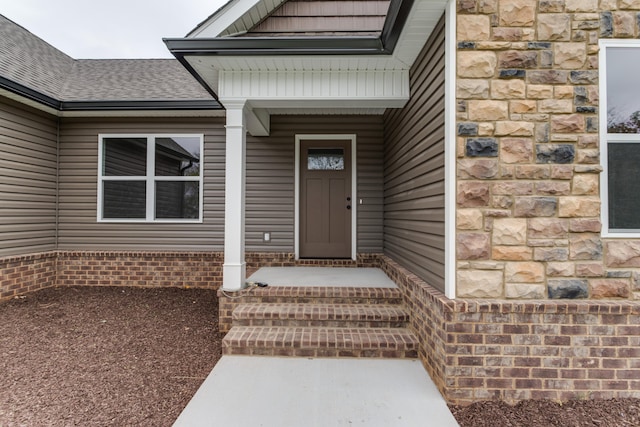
234,271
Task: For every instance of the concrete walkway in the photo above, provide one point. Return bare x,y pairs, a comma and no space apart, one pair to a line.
244,391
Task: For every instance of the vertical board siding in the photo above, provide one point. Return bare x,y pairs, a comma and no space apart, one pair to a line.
28,170
78,225
414,169
271,179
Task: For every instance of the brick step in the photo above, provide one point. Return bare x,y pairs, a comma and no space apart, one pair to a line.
321,342
330,315
319,295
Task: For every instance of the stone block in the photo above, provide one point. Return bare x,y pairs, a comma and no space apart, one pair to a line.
482,147
518,188
511,253
568,123
473,64
522,106
479,283
568,288
550,254
501,202
623,253
472,89
516,150
531,207
548,228
473,246
556,105
624,24
477,168
551,6
539,91
581,5
555,153
561,171
629,4
542,132
532,172
585,225
517,13
468,6
508,89
509,231
606,24
473,27
469,219
588,77
514,128
473,194
485,129
585,247
610,288
518,59
548,77
563,92
588,141
553,188
488,110
560,269
525,291
467,129
524,272
589,269
586,184
588,156
554,27
512,74
570,56
579,207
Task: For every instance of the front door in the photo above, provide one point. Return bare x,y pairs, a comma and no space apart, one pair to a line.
325,199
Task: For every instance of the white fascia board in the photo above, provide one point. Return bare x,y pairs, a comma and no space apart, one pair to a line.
271,88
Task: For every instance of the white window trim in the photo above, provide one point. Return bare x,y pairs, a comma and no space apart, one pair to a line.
354,188
450,151
149,178
606,138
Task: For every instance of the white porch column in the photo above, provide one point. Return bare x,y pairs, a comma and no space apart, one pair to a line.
234,270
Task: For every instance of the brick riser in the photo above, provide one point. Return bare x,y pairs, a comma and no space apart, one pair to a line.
321,322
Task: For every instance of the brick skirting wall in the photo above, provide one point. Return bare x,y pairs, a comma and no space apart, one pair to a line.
28,273
543,349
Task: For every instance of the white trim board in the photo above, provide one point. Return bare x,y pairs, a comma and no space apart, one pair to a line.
354,188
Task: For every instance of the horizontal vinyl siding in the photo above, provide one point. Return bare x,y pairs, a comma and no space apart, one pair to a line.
270,179
78,226
28,162
414,169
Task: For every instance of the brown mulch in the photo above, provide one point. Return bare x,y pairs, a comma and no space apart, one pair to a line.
543,413
130,356
104,356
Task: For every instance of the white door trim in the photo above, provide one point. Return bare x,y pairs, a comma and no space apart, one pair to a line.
354,187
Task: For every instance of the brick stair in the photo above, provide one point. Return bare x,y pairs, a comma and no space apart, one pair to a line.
321,322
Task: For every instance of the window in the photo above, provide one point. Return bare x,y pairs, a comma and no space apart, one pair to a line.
620,137
150,178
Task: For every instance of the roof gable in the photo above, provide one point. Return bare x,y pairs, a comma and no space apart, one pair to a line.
324,18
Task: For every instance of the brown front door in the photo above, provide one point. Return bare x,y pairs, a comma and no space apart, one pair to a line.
325,199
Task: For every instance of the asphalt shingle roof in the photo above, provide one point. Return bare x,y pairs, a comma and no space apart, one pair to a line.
30,61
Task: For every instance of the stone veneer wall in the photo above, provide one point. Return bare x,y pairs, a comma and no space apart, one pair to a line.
515,350
528,219
27,273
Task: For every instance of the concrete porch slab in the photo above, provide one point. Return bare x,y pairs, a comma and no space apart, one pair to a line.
244,391
323,276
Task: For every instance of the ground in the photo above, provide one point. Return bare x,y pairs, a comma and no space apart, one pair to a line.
129,356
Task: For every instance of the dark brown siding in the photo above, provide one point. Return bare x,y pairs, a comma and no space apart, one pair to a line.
324,18
414,169
270,179
28,142
79,229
